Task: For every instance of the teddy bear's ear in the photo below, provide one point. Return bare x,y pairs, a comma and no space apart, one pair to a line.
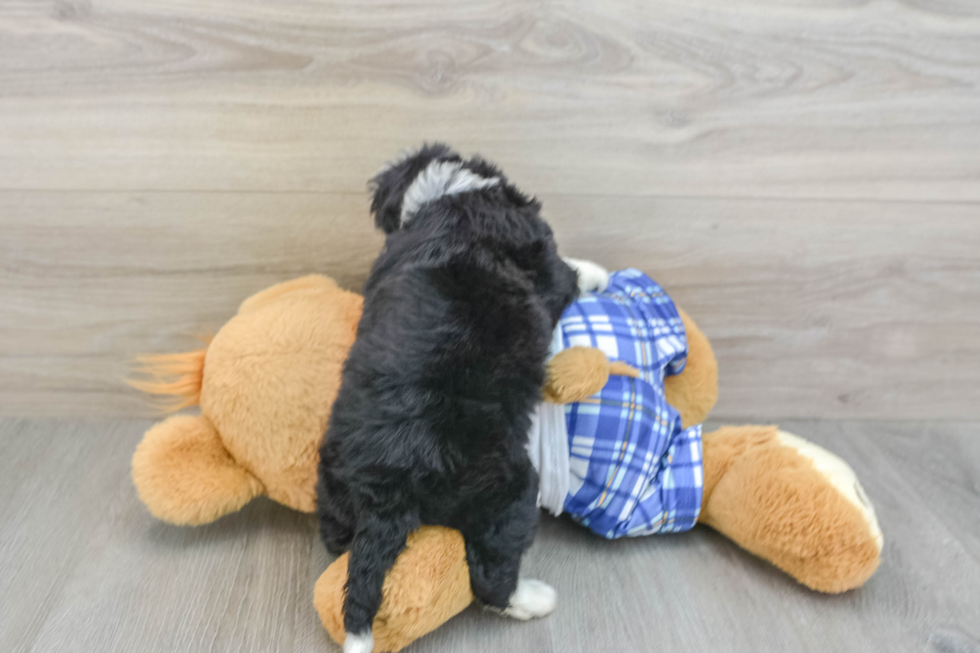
389,185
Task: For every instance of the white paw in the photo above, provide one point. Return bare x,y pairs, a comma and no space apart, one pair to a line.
531,599
362,643
592,277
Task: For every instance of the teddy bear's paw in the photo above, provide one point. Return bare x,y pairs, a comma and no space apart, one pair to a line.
531,599
840,476
592,277
362,643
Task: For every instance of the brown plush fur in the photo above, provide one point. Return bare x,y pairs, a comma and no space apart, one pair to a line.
429,583
580,372
270,377
771,501
266,384
180,392
694,391
185,475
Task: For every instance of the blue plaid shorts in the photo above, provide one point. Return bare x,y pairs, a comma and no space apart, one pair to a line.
634,469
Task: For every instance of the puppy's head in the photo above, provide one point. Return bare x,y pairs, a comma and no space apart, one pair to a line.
404,185
390,185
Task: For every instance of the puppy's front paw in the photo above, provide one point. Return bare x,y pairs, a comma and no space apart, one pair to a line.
592,277
531,599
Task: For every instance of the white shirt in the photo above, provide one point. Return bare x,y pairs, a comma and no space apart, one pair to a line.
547,447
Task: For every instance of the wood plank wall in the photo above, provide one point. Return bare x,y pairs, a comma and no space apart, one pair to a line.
803,176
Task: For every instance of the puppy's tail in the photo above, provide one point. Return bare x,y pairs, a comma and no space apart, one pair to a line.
377,543
174,379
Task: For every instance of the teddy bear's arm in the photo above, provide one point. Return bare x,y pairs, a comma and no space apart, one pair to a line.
580,372
694,391
185,476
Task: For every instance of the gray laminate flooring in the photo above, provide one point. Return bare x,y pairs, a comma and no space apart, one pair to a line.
83,567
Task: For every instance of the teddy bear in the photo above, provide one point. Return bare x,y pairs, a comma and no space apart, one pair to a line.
266,381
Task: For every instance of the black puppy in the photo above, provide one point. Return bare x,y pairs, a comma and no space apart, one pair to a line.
430,424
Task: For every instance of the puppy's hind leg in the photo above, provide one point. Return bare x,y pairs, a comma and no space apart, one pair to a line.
378,541
493,552
334,507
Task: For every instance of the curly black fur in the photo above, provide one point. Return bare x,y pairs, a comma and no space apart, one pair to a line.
430,424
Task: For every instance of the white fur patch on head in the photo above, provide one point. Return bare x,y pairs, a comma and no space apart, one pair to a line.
362,643
531,599
441,178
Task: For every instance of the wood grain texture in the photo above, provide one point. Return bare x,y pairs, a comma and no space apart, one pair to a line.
90,280
815,309
838,309
811,98
802,175
84,568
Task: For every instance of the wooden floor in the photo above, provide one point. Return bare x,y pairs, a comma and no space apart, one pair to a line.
84,568
802,175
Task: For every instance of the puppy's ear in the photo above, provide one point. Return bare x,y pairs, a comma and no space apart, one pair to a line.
389,185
